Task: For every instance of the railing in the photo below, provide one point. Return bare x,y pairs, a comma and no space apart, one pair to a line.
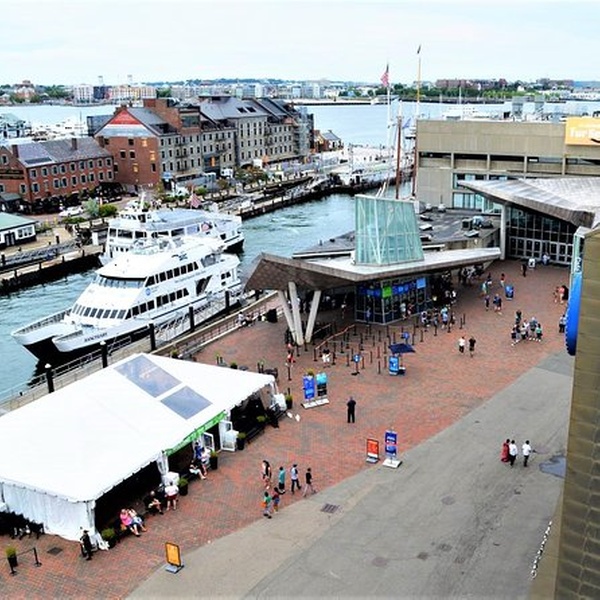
182,347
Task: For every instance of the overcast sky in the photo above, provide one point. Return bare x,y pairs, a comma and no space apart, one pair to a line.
76,41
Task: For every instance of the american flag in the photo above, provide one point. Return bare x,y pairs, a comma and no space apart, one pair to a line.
385,78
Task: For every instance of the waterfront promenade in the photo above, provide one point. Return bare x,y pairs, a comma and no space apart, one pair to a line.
451,521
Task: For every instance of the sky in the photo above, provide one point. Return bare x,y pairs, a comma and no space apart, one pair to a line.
76,41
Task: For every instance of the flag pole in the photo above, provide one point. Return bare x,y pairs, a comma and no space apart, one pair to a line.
417,109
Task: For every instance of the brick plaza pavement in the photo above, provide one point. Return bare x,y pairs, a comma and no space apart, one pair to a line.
440,387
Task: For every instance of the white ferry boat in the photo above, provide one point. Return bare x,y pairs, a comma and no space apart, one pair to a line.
140,221
157,282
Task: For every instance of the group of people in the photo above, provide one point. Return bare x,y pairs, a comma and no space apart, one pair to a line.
272,492
524,330
510,452
462,344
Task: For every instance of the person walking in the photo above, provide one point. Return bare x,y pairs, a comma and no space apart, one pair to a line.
513,452
308,485
86,545
267,504
526,449
281,480
472,342
266,474
295,478
505,451
351,404
461,344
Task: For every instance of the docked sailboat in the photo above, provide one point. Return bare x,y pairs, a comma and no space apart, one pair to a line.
141,220
157,282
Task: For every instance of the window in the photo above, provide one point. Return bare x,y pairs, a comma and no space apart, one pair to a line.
45,172
100,163
63,169
55,183
35,188
33,173
106,141
130,141
72,167
54,170
81,165
83,178
74,181
63,182
90,164
132,154
122,154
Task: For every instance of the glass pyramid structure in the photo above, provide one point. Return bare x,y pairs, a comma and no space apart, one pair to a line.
387,231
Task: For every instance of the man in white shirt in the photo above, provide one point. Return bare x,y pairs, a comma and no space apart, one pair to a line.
513,451
526,448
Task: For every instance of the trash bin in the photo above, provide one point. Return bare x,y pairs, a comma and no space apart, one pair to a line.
272,315
509,290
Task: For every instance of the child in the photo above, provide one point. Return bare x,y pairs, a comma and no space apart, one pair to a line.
266,504
275,497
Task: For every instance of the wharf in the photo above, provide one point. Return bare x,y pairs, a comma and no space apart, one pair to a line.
438,526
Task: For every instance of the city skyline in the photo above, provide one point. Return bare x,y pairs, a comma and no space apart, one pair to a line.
338,40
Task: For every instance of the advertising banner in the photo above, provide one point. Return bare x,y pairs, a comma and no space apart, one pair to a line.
582,131
391,443
372,450
308,385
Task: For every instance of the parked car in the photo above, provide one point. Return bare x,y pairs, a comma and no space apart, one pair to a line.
71,211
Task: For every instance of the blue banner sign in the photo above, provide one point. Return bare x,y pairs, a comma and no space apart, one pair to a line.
308,384
391,443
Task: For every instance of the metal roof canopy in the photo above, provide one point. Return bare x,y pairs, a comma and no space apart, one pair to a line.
572,199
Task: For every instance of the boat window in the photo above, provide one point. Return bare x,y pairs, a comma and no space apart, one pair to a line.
139,234
176,272
162,276
192,229
151,305
201,285
93,313
159,301
177,232
128,314
170,274
151,280
124,233
172,297
208,260
135,311
121,314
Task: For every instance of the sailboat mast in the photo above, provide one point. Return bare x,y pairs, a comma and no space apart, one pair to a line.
415,153
399,153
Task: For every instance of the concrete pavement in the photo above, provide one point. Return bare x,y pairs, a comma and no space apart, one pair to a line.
451,521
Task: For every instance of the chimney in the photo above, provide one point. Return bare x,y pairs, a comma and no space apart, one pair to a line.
14,149
74,144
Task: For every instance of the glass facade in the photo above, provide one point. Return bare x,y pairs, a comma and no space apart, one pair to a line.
392,300
530,235
387,231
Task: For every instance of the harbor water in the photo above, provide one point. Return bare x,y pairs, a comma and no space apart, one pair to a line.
282,232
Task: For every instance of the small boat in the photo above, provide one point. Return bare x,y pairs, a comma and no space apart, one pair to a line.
157,282
142,220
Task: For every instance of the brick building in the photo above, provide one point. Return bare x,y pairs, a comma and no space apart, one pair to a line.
44,174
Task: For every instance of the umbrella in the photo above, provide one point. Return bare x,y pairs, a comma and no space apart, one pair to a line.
401,348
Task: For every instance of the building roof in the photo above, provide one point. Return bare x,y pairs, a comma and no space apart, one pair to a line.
10,221
274,272
227,107
59,151
572,199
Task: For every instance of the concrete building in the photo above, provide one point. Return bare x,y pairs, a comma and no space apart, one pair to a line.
452,153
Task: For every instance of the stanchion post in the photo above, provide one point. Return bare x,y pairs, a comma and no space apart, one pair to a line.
378,367
49,377
289,371
37,563
421,335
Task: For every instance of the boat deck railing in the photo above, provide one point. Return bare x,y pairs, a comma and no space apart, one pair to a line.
54,318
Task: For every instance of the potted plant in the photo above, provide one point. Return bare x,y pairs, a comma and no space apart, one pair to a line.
213,460
109,535
289,401
261,420
11,556
183,486
233,365
241,440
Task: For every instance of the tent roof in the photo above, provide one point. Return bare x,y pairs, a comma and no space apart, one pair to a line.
82,440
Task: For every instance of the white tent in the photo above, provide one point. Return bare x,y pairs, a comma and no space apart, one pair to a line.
60,454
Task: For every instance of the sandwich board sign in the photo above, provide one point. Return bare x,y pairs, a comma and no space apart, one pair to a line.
391,450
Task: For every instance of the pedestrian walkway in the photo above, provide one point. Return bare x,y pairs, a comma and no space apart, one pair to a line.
448,513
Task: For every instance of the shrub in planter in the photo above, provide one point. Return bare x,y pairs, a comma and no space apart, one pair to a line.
261,420
11,556
241,440
183,486
109,535
213,460
233,365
